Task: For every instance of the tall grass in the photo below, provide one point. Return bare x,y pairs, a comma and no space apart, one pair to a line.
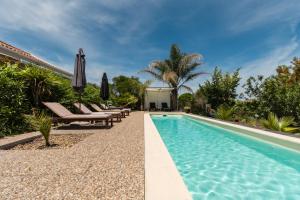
45,123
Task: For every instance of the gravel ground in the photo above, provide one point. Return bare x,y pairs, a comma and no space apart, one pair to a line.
56,141
106,165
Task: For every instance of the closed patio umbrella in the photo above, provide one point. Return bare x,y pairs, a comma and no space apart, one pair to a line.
104,92
79,79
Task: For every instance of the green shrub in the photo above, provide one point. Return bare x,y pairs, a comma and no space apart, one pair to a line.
91,94
42,85
224,112
12,101
279,124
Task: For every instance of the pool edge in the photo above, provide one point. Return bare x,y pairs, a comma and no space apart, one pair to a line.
162,179
277,139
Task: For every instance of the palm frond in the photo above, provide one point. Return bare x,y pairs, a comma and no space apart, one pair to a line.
188,63
191,77
286,121
186,88
154,74
160,66
224,112
171,77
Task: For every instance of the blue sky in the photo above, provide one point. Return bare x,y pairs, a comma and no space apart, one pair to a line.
124,36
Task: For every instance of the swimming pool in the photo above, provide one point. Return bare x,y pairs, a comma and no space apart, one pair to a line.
217,163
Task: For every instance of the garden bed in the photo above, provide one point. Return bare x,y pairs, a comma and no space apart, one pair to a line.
260,127
61,141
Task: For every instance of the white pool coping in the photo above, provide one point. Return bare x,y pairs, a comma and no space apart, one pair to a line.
162,179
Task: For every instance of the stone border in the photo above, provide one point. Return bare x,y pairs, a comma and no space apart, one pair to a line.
291,143
162,180
11,141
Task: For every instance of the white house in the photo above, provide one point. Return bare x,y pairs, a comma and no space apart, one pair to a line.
157,95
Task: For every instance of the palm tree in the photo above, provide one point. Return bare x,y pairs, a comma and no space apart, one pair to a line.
142,91
176,71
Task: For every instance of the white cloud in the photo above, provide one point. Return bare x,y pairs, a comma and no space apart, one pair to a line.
66,24
248,14
266,65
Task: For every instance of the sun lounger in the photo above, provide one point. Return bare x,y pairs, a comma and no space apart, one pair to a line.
164,106
113,107
127,110
83,109
64,115
98,109
152,106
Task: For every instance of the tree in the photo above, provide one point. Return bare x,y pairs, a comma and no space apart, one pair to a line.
253,86
221,89
176,71
124,84
279,94
126,87
185,99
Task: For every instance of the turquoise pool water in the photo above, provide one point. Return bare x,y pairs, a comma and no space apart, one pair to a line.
216,163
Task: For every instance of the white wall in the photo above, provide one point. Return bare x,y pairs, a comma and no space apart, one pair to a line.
157,97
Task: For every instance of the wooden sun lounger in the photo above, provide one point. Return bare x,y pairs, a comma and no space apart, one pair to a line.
127,110
64,115
83,109
99,109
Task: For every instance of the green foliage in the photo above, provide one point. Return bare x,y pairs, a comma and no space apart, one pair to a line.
185,100
91,94
23,88
32,122
279,94
250,121
39,82
176,71
279,124
253,86
124,84
45,123
221,89
124,87
247,108
126,100
224,112
12,101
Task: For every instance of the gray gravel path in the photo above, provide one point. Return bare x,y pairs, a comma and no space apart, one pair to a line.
106,165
